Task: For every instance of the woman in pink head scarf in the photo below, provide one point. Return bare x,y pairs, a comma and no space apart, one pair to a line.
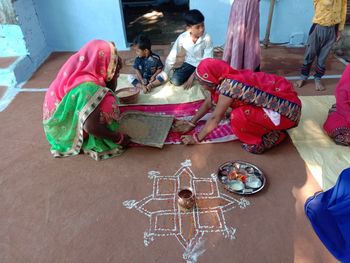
337,124
80,112
263,106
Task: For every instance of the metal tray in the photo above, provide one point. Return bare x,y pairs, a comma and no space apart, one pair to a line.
241,177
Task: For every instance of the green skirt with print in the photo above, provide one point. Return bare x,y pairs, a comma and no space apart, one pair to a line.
64,129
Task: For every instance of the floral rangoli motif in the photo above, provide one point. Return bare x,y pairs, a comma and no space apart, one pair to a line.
188,227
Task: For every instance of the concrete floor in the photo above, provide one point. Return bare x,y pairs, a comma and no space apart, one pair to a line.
275,59
6,62
74,210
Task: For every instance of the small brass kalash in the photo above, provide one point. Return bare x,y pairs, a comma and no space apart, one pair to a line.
186,198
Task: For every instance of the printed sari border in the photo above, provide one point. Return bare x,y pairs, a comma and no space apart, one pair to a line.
251,95
83,115
341,135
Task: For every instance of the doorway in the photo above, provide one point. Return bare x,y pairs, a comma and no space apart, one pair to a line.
161,20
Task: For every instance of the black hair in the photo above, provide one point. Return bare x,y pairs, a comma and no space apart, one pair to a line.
193,17
143,42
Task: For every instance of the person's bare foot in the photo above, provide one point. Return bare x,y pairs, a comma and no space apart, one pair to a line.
299,83
319,86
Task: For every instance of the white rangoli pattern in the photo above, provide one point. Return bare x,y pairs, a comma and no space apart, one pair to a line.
189,227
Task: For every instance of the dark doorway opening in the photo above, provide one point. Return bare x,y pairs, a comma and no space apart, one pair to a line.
161,22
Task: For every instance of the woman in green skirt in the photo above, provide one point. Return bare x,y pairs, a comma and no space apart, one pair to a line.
80,111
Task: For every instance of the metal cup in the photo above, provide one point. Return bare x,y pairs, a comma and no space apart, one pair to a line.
185,198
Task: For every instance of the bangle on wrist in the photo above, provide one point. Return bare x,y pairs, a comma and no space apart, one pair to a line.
121,139
195,138
191,124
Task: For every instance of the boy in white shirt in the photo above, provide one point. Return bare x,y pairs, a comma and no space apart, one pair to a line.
196,43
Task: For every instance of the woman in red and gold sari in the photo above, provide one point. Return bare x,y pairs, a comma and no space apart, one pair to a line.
263,105
337,124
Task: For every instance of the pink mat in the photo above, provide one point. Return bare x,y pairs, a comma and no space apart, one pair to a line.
222,133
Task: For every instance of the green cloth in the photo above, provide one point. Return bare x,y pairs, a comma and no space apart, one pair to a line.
64,129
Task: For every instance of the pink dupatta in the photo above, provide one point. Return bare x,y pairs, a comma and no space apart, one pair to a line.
340,118
342,95
94,62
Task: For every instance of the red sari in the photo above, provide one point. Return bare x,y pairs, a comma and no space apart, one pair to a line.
252,92
337,124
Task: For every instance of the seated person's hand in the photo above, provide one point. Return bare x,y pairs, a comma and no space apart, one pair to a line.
228,113
153,78
182,126
143,88
187,139
112,84
189,82
149,87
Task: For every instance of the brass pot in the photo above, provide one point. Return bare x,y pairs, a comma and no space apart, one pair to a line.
186,198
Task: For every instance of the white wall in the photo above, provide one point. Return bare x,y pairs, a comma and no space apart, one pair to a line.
290,24
292,20
12,42
66,25
69,24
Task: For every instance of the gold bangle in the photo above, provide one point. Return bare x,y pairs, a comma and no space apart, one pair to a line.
121,139
195,138
191,124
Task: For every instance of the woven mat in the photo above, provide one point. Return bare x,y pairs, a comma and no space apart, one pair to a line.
323,157
165,94
146,128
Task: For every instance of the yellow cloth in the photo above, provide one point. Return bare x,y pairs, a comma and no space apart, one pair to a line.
165,94
330,13
322,156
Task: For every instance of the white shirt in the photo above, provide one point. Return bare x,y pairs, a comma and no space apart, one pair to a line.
195,52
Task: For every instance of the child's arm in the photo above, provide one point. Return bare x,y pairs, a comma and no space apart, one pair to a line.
139,76
171,59
189,82
153,77
137,71
140,79
209,49
160,67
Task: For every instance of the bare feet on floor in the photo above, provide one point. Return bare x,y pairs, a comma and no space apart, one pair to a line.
319,86
299,83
